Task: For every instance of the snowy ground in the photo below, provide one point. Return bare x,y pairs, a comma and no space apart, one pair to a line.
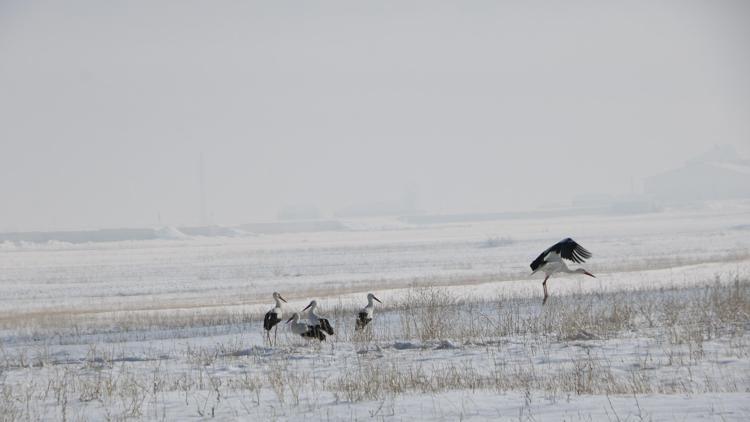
170,329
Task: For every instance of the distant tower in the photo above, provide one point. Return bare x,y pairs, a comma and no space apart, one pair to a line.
202,189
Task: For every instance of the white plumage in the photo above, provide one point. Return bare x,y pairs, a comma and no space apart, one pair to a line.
316,320
273,317
305,330
365,314
551,260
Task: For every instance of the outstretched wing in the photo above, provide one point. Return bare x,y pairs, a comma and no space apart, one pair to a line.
567,249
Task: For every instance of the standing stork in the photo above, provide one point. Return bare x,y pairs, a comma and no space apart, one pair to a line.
551,260
316,320
273,317
365,315
305,330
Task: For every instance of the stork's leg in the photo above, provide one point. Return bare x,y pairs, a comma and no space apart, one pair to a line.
546,295
268,337
275,333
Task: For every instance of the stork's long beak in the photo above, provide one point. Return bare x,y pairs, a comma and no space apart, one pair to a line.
588,274
290,319
282,299
373,296
307,307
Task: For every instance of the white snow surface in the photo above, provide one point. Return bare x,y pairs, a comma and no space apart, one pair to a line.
64,305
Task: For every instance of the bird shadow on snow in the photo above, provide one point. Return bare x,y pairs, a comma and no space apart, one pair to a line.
436,345
101,360
290,352
253,351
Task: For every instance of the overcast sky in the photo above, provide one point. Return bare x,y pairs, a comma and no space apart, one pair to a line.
106,106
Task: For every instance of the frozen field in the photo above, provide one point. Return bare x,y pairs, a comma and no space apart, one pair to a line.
171,329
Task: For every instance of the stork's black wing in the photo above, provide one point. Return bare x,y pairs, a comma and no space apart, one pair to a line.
362,320
326,326
568,249
270,320
314,331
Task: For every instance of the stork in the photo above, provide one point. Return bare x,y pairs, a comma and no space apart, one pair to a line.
273,317
551,260
305,330
365,314
316,320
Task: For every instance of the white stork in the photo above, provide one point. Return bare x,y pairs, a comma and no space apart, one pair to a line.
316,320
551,260
305,330
273,317
365,314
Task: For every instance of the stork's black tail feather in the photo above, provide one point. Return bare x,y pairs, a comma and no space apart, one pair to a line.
326,326
362,320
314,331
270,320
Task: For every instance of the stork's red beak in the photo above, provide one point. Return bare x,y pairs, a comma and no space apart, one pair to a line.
373,296
282,299
588,274
290,319
307,306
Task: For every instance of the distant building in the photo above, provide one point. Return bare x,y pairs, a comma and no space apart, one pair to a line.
718,174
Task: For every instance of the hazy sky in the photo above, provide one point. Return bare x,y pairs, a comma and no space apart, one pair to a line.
106,106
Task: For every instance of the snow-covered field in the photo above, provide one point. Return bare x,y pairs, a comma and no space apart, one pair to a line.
171,329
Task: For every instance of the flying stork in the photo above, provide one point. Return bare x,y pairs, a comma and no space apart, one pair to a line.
317,321
273,317
365,314
551,260
305,330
